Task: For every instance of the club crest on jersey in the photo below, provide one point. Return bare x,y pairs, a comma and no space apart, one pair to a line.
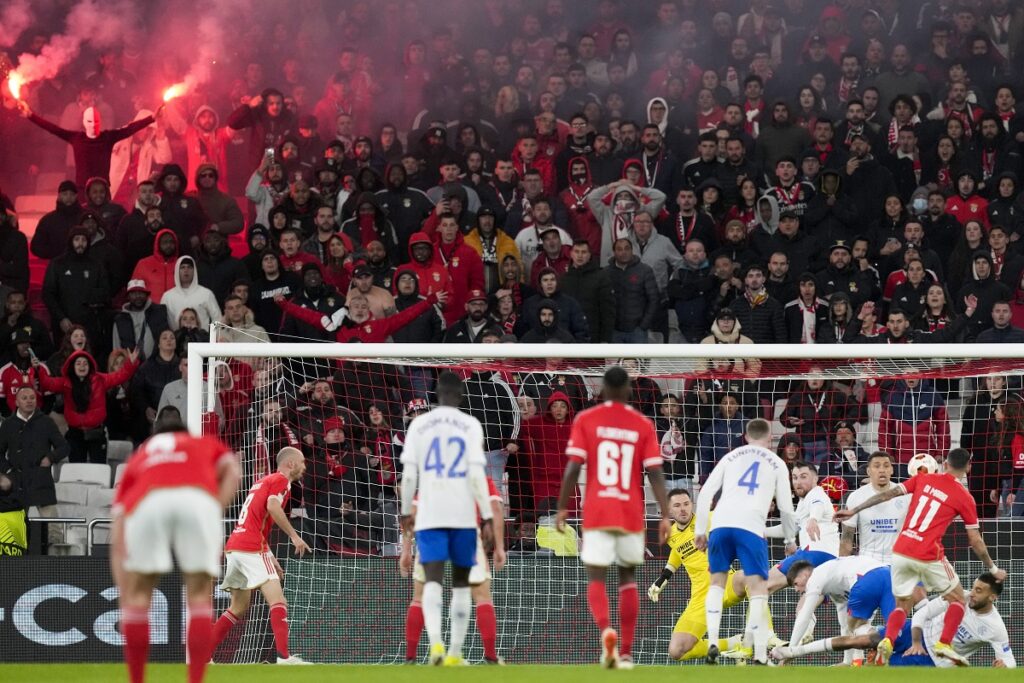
437,277
455,262
184,203
407,202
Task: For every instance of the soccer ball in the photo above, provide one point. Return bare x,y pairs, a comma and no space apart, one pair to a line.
922,461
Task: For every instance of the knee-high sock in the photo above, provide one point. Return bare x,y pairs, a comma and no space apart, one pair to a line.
459,619
597,601
413,629
824,645
759,626
279,625
713,610
487,624
629,609
893,626
954,615
222,628
199,641
135,629
432,611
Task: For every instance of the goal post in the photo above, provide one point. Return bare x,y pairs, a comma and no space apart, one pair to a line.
902,398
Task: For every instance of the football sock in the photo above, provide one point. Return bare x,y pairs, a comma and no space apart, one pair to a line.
897,618
487,624
951,622
135,629
459,619
222,628
279,625
713,608
823,645
432,611
597,600
700,650
629,608
413,629
759,626
199,641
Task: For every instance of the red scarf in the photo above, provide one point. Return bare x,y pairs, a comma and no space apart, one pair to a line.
753,125
823,152
367,229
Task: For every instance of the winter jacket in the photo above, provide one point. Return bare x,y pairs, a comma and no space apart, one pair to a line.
804,251
406,207
1005,335
428,328
465,270
219,272
382,230
722,436
50,239
544,441
76,286
637,298
570,313
834,330
829,223
661,255
100,382
988,291
819,409
325,300
13,257
763,323
591,287
194,296
690,290
181,213
264,130
913,421
220,208
541,334
858,284
149,382
870,182
793,313
140,329
24,444
160,274
775,142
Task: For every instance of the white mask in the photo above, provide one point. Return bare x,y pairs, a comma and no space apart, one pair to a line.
91,122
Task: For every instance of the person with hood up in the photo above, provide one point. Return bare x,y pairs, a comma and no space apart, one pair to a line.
370,223
986,289
267,188
427,265
188,293
545,328
92,146
314,295
614,207
355,322
51,235
492,244
406,207
464,266
221,209
206,141
579,185
139,322
84,390
831,215
184,215
428,328
76,288
541,443
158,271
110,213
780,139
913,420
267,120
570,311
637,294
137,157
992,153
841,327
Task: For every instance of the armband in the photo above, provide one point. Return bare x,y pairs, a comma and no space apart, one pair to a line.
666,576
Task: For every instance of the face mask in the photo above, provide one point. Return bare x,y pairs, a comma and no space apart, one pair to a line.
622,205
91,122
579,178
919,205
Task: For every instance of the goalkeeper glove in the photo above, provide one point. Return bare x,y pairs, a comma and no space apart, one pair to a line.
654,592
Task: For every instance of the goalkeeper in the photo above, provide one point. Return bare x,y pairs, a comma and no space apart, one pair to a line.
688,634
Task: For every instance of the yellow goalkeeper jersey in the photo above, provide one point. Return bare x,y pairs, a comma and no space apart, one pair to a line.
685,554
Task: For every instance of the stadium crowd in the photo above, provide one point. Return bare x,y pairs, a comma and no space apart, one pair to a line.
712,171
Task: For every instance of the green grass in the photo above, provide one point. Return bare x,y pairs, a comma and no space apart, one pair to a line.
159,673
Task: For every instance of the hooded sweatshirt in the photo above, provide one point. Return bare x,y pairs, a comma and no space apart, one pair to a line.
544,440
182,214
582,223
85,403
208,148
615,218
158,272
194,296
221,209
405,206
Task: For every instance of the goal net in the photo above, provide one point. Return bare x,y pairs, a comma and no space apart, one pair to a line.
346,407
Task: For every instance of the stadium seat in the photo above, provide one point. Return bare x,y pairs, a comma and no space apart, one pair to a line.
118,452
100,498
93,473
119,473
75,493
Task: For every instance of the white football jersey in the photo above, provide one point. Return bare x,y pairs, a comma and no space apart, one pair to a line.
817,505
878,526
976,631
749,477
442,444
836,577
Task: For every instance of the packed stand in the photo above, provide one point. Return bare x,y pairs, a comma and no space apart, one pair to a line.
721,172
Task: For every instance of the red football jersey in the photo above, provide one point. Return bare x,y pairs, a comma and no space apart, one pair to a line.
937,500
616,443
252,530
170,461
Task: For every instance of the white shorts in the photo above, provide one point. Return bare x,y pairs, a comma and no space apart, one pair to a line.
246,571
602,548
480,572
182,522
938,576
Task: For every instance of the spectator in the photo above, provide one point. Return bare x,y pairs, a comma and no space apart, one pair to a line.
470,327
914,420
267,120
546,327
492,245
843,274
637,295
428,328
187,293
206,142
19,371
326,228
490,399
590,285
175,394
615,206
134,159
158,370
570,312
982,430
360,323
847,459
1002,330
238,323
840,327
76,288
317,296
14,272
138,230
17,317
267,188
724,434
759,315
813,409
370,223
139,322
867,179
691,289
51,236
805,314
183,214
544,438
986,290
554,254
790,449
220,208
273,281
405,206
85,409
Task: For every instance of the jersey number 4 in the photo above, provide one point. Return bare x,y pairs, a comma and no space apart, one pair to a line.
436,460
933,509
615,464
749,478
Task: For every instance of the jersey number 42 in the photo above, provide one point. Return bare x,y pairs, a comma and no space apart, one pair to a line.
447,462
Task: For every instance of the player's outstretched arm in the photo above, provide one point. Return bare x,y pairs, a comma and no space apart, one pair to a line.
281,519
981,552
569,480
654,592
874,500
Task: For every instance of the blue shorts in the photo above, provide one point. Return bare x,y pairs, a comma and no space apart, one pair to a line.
727,544
872,591
903,642
910,660
815,557
443,545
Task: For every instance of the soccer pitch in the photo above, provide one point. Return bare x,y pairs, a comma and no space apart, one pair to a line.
159,673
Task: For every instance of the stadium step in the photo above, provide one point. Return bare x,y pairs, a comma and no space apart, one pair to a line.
34,203
48,182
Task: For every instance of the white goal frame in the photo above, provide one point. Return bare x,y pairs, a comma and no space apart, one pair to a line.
200,353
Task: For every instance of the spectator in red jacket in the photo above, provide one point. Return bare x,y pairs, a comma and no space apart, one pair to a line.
542,442
582,224
526,155
356,321
158,271
85,401
464,265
